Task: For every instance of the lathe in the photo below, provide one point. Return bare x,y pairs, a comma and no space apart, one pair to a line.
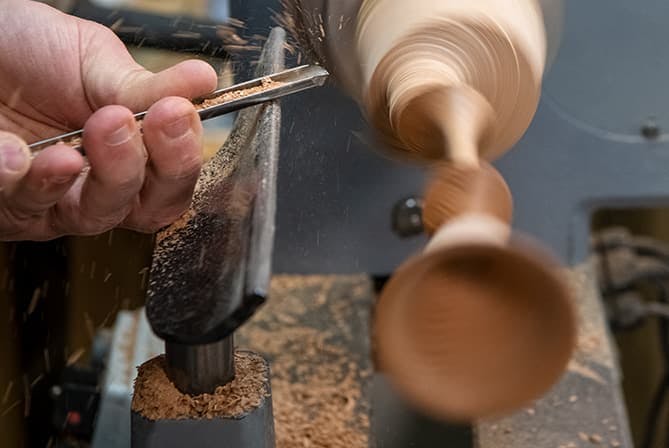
210,273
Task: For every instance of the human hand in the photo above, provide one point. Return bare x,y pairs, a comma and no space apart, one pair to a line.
59,73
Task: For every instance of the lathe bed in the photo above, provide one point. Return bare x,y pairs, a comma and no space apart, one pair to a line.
315,331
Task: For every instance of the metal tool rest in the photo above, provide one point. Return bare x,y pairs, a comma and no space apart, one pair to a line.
208,277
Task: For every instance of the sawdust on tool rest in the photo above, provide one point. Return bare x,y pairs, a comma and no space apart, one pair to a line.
176,226
156,397
206,195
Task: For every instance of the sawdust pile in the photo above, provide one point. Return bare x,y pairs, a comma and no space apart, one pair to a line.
320,385
321,410
156,397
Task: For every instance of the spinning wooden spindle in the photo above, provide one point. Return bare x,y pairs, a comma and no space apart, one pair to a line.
476,326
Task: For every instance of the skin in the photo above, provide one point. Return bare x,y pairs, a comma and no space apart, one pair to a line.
60,73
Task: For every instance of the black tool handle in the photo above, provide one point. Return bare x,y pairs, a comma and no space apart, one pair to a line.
176,33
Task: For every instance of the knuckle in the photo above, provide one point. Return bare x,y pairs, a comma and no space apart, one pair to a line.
17,216
97,225
180,166
188,169
122,185
93,224
10,230
20,217
191,161
16,224
151,222
125,185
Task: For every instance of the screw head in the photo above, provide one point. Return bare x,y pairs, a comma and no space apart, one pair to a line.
650,130
55,392
407,217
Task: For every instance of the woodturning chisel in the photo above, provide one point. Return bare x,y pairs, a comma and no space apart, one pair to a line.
226,100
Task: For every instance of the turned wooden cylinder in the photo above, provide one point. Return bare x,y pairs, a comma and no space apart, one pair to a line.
491,48
392,54
480,324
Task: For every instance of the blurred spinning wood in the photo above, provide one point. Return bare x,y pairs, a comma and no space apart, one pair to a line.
476,326
432,67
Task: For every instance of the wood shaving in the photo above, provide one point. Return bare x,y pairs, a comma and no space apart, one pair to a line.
266,83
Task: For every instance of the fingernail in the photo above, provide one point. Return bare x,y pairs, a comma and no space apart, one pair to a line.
60,179
13,157
50,182
119,136
178,128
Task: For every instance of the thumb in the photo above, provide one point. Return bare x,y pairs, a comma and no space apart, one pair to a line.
189,79
112,77
14,160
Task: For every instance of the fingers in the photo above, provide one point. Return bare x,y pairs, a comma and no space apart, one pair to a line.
119,187
14,160
117,158
188,79
24,207
173,137
52,173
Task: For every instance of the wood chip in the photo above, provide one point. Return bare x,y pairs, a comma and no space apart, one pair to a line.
596,439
